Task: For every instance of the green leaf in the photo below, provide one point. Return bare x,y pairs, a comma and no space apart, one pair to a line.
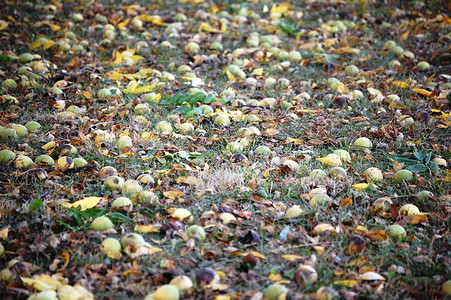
35,205
209,99
5,58
417,168
116,216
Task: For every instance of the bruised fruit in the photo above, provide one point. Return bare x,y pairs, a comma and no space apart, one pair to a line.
23,161
374,174
6,156
381,204
107,171
131,187
114,183
305,274
102,223
132,239
409,210
63,163
337,173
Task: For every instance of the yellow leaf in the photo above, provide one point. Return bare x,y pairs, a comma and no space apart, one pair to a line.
4,233
174,195
422,92
116,76
255,253
87,95
44,282
360,186
144,89
404,36
49,44
230,76
135,58
207,27
281,8
132,88
401,84
223,27
49,145
3,25
291,257
189,180
52,26
36,44
123,24
371,276
274,277
85,203
374,92
146,228
331,159
296,141
118,57
271,131
258,71
341,88
347,282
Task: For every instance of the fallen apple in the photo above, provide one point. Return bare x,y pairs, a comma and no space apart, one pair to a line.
352,70
183,283
337,173
196,231
6,156
227,217
381,204
102,223
374,174
181,214
110,246
294,211
164,127
32,126
395,232
409,210
22,161
446,287
363,143
133,239
122,202
319,199
343,155
222,120
403,175
114,183
317,174
305,275
274,291
131,187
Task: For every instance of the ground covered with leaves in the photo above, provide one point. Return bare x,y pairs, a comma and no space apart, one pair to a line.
225,149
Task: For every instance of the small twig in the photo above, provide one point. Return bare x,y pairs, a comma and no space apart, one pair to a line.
37,73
